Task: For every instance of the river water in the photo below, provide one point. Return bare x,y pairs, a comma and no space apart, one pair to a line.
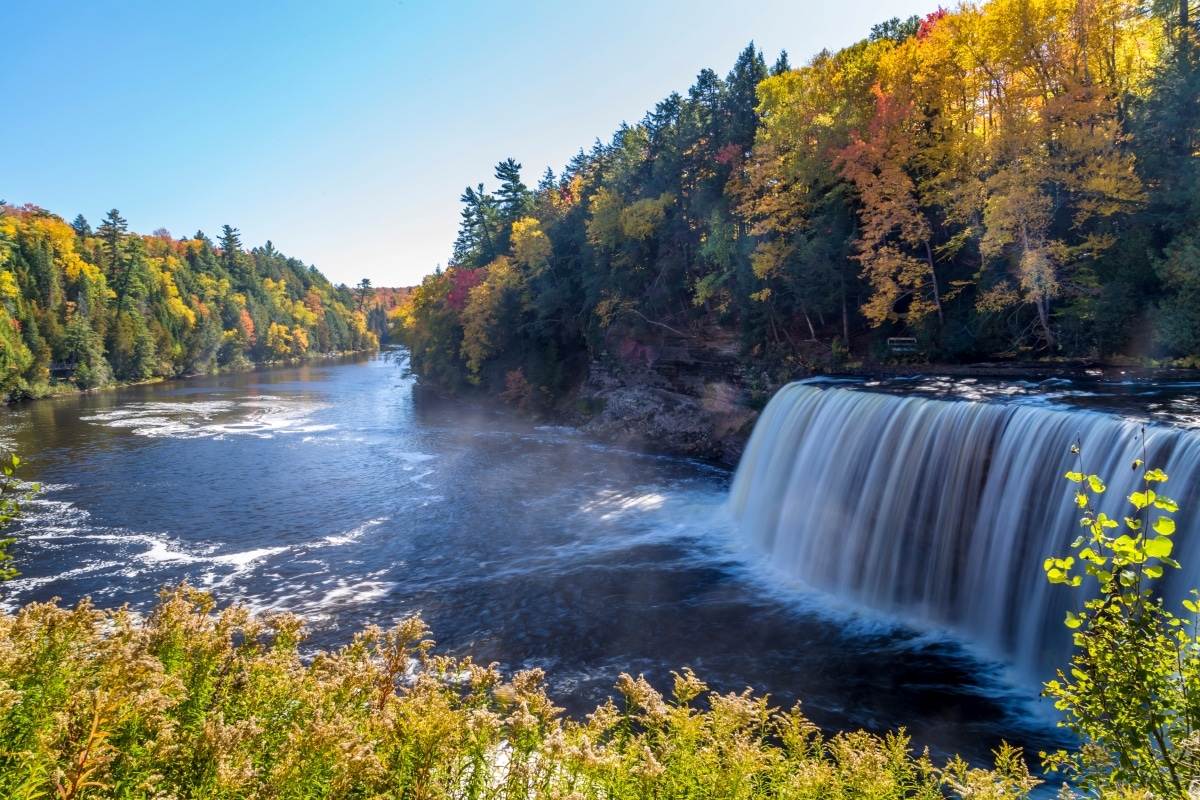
339,492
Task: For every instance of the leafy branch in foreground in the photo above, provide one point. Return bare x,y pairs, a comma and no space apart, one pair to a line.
1131,692
12,492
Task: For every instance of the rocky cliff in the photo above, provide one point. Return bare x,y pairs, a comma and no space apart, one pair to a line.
678,393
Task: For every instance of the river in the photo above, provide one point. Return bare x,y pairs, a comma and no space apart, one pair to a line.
337,491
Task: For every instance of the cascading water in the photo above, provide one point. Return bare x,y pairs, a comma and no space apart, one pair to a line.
943,510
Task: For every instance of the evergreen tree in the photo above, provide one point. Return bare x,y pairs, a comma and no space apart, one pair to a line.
781,64
1167,138
240,268
81,226
230,243
363,293
740,98
112,230
514,197
85,350
478,234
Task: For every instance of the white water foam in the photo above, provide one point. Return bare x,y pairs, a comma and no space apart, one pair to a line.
262,416
354,534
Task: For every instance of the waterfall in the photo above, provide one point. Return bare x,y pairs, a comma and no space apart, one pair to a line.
943,510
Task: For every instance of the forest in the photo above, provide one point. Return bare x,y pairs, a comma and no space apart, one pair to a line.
83,307
1016,179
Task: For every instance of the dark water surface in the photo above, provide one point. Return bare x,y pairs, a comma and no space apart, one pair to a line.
336,491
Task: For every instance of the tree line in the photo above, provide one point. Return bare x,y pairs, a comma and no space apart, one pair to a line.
96,306
1011,179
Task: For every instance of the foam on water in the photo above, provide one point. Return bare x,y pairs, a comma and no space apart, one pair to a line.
354,534
261,416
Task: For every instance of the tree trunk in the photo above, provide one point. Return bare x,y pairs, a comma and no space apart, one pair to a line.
1184,24
937,295
845,317
1043,309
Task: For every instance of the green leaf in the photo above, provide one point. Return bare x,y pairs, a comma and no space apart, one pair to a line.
1133,524
1191,606
1164,526
1159,548
1073,621
1156,475
1154,572
1141,499
1166,504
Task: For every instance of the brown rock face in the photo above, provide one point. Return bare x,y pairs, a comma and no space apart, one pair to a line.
674,393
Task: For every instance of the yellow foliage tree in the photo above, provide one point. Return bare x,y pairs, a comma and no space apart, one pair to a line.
530,245
280,340
482,325
604,221
639,220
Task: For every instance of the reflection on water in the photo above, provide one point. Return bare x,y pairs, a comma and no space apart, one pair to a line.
336,491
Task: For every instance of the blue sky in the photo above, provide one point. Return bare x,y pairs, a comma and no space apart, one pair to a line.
345,131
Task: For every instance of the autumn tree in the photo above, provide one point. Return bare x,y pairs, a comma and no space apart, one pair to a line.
895,242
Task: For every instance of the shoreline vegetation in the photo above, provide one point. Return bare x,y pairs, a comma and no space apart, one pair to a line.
68,389
91,308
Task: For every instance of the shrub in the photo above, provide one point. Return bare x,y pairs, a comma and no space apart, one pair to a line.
193,701
1131,693
12,492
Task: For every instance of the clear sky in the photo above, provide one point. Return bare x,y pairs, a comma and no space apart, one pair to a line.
345,131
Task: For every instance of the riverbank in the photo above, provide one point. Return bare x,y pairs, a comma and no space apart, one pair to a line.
53,390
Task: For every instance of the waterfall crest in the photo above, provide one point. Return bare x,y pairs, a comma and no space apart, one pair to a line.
942,510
